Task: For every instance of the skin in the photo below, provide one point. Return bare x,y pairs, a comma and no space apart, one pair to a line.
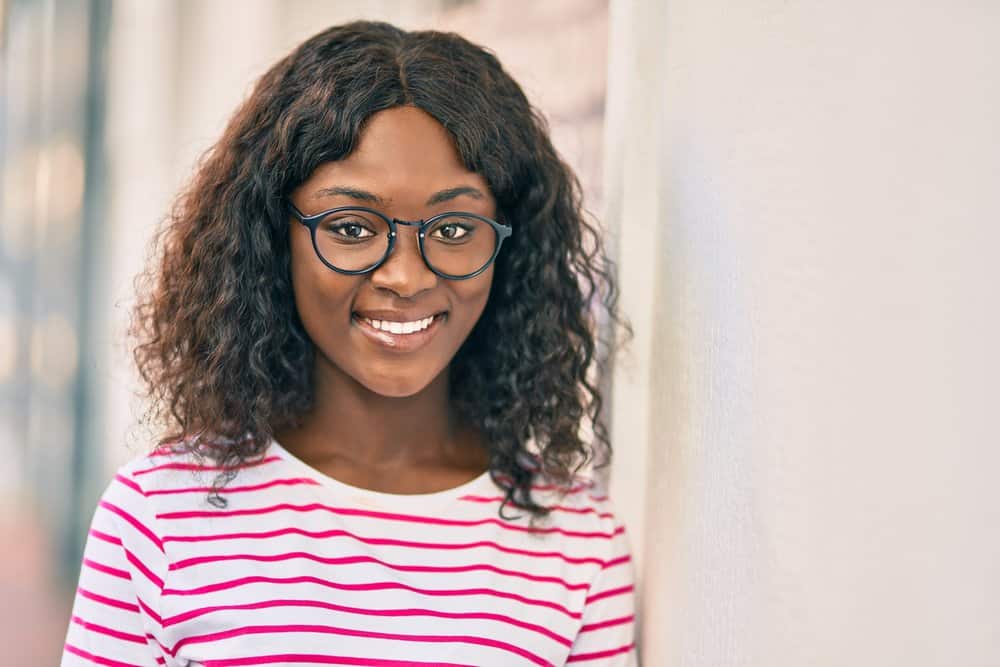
381,418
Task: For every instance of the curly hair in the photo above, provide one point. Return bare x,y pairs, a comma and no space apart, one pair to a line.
219,344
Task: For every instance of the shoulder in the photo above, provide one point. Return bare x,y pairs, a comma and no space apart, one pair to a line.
171,469
590,498
583,508
169,479
161,480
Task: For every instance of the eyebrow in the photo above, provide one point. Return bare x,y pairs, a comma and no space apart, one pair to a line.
364,195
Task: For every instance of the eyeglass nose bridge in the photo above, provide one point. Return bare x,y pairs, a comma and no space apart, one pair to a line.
419,224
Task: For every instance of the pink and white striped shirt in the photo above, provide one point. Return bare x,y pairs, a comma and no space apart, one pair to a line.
301,569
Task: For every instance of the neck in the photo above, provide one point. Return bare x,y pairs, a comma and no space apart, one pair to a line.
350,424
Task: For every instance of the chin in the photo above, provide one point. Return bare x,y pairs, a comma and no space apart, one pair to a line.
396,387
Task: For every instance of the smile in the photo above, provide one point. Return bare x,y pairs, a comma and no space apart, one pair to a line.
399,336
400,327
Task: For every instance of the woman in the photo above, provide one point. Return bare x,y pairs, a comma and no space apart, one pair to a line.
369,335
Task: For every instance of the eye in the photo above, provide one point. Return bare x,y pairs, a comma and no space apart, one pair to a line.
351,230
452,231
351,227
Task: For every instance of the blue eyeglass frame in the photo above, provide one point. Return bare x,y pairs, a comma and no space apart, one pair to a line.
312,222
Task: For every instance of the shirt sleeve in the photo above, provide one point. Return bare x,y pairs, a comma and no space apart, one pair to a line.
607,634
114,621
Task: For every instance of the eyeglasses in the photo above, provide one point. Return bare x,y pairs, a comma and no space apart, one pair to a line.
356,240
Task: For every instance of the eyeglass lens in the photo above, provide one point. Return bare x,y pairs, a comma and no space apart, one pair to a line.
356,240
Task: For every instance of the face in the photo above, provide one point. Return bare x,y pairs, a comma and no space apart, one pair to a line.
405,166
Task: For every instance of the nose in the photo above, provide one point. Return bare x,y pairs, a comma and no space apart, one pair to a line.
404,271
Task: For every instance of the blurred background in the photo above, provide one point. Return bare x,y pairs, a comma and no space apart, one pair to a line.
802,201
106,107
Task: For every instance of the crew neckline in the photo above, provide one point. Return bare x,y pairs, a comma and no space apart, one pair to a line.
481,484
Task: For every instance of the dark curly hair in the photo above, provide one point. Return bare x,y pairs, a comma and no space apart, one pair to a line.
219,343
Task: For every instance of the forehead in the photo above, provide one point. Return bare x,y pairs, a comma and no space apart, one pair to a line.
402,155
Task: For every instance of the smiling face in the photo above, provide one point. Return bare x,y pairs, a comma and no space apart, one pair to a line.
406,166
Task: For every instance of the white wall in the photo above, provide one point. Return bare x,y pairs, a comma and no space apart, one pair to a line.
806,456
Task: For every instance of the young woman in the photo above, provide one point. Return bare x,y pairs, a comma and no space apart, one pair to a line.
369,336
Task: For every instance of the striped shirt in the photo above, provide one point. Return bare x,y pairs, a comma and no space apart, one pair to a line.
302,569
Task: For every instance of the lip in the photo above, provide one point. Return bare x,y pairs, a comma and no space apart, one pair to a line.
398,342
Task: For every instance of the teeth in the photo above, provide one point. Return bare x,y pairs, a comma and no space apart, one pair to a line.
400,327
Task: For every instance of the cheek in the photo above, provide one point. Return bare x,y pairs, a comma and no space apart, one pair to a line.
473,295
320,294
